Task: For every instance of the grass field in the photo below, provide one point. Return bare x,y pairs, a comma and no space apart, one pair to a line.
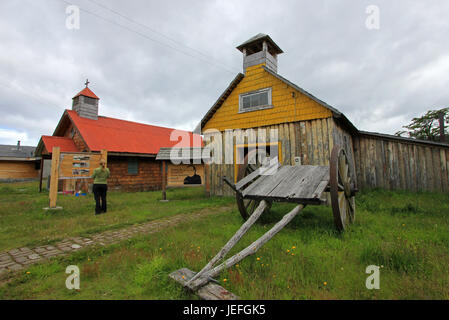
406,234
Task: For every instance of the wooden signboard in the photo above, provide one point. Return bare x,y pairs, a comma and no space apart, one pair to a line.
78,165
185,175
72,166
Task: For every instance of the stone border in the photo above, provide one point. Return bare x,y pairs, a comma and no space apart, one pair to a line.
17,259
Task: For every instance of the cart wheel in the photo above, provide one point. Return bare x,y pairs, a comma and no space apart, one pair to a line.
342,195
247,206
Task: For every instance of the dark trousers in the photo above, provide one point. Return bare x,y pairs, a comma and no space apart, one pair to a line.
100,194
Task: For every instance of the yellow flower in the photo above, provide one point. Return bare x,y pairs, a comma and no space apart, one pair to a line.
325,283
288,250
293,247
28,272
160,249
258,259
183,277
224,280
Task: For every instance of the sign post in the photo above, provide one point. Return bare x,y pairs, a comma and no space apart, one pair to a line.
54,176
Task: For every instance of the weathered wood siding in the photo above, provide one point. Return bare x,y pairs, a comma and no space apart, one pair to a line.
400,165
311,140
18,170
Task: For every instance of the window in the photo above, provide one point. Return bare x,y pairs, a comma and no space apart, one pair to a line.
260,99
89,100
133,166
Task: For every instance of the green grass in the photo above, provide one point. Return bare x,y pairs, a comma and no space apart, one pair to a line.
406,234
23,222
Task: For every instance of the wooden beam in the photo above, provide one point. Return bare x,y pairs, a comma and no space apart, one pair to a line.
164,181
104,156
41,173
54,176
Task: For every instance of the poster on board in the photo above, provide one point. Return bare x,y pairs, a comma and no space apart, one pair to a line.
185,175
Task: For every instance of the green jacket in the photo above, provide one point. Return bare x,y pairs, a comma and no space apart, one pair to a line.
100,176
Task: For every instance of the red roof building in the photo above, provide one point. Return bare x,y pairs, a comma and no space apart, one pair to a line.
132,147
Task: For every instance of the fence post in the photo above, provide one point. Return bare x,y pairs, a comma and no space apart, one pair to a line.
54,176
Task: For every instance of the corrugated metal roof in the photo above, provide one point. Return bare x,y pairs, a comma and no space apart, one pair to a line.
65,144
180,154
15,151
117,135
259,38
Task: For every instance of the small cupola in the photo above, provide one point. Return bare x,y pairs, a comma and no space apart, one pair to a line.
85,103
260,49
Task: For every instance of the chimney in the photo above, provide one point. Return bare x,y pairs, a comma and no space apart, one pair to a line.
260,49
85,103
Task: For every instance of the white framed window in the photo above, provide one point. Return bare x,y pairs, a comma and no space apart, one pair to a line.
255,100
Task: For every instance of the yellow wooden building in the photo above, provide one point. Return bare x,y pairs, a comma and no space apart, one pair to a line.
308,128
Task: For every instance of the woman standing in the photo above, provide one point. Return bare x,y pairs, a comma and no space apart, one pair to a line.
100,176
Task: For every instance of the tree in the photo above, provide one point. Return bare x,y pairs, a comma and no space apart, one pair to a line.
427,127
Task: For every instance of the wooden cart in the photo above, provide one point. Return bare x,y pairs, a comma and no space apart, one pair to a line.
256,189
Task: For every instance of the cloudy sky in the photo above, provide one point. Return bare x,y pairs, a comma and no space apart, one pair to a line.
166,62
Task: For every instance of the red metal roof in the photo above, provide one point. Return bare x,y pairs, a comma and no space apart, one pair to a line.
66,144
117,135
86,92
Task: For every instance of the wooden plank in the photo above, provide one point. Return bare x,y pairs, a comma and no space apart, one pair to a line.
286,143
330,133
292,134
390,169
401,167
319,131
379,164
304,145
429,165
252,176
309,142
287,181
265,184
372,157
315,143
326,154
423,168
298,145
305,187
53,195
438,187
444,179
164,180
210,291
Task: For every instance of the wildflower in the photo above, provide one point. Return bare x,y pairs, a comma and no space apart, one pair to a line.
293,247
262,264
288,250
183,277
28,272
160,249
224,280
293,254
325,283
258,259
